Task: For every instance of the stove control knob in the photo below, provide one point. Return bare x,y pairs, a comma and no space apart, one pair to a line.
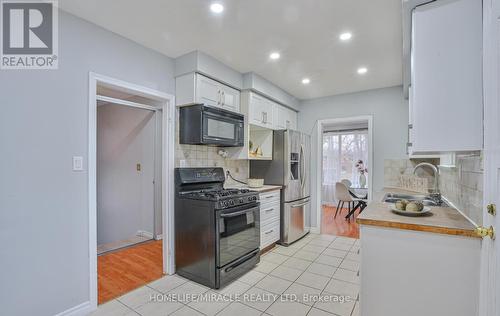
231,202
242,201
224,203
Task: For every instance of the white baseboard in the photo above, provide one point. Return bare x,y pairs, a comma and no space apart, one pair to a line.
315,230
159,237
78,310
143,233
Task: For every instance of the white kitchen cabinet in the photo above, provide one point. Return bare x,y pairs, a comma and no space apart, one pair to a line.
291,119
260,110
280,116
195,88
415,273
446,77
270,209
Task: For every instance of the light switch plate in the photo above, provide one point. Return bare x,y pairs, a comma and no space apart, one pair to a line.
77,163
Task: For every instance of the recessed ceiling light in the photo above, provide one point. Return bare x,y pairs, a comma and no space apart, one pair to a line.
275,55
306,81
362,70
345,36
216,7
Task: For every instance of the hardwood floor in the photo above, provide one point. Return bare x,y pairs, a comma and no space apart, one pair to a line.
124,270
338,226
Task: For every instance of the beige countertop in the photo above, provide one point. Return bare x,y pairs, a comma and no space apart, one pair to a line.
443,220
265,188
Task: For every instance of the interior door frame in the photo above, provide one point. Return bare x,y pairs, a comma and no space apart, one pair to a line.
167,102
319,151
489,291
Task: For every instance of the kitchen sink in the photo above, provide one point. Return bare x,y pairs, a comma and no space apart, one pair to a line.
425,199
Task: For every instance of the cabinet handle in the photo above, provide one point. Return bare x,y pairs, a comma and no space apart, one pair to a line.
219,98
269,209
223,98
269,231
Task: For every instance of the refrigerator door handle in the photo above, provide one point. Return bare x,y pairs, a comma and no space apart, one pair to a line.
302,166
301,204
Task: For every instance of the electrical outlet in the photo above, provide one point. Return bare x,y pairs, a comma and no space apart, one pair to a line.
77,163
138,167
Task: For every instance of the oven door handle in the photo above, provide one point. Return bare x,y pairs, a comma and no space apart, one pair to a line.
234,214
241,260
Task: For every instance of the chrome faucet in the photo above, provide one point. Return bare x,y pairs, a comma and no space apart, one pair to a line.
435,195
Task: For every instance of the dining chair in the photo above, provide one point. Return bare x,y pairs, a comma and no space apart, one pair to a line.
342,195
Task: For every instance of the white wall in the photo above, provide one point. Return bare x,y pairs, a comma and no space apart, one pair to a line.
390,123
125,196
43,203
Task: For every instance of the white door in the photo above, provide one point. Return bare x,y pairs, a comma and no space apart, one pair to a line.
490,276
279,117
267,113
291,119
207,91
230,99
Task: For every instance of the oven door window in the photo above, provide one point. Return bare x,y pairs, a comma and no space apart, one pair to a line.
239,233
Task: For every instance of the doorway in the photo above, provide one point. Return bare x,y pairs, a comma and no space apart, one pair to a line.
131,148
345,184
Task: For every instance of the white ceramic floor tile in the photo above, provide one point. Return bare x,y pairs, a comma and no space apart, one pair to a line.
184,292
342,288
306,255
258,298
286,273
112,308
329,260
335,253
167,283
239,309
318,312
273,284
274,258
340,246
158,308
355,311
296,263
210,306
336,307
138,297
187,311
353,257
326,237
322,269
346,275
320,242
305,294
346,240
265,267
313,280
286,251
280,308
234,288
252,277
350,265
314,248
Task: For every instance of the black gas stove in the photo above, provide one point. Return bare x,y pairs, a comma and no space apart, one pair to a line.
217,230
223,198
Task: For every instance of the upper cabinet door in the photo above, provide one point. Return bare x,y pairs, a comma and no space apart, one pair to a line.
268,113
256,108
446,81
280,117
208,91
291,119
230,99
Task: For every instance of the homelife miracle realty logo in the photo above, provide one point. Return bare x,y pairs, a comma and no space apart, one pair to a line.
29,38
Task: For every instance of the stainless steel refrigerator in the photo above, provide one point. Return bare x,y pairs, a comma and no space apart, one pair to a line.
290,168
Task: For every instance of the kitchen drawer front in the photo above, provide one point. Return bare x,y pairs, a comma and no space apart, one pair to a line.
269,233
269,197
269,211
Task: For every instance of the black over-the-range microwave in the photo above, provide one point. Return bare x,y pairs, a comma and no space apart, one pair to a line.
204,125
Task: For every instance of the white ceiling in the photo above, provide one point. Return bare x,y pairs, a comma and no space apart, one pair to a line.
305,32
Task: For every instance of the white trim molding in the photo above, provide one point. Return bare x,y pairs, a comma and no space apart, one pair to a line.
319,152
78,310
167,108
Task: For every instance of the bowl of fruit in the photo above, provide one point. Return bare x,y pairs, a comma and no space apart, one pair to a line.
410,208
